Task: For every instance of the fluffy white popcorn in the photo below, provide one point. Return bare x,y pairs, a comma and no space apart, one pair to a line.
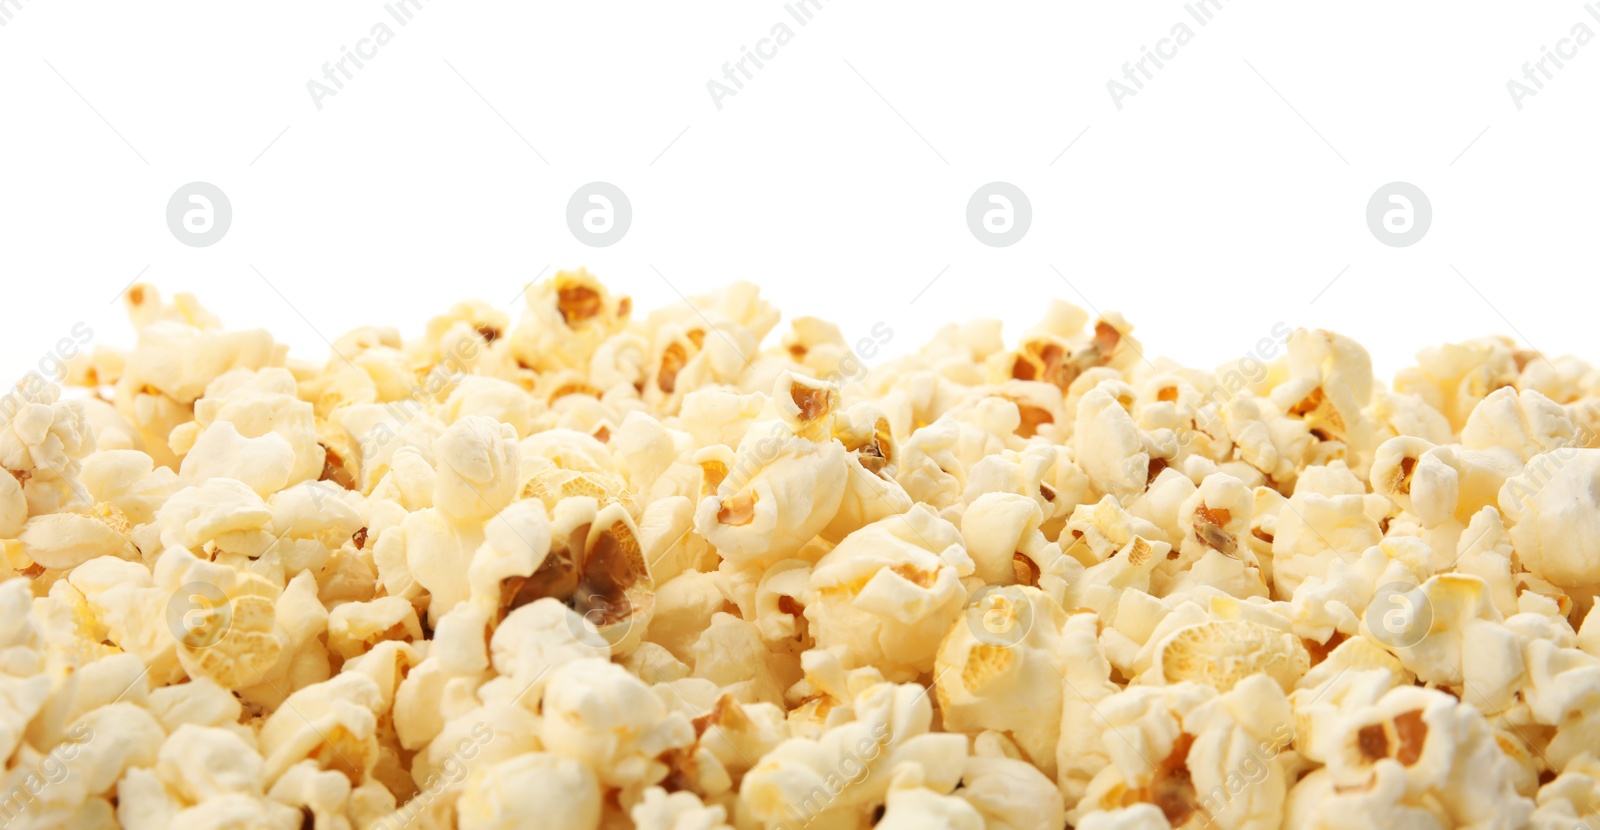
1213,522
1409,747
1570,800
62,541
1009,793
227,628
782,490
731,654
935,459
1080,754
42,442
1330,381
536,639
1001,667
1268,440
998,529
201,763
355,627
909,805
535,789
1224,653
1526,423
567,318
13,507
1135,817
1455,377
846,771
324,793
779,607
1239,762
334,723
596,569
254,406
677,811
222,512
1314,530
1108,444
600,714
872,459
1553,527
477,468
888,593
1140,730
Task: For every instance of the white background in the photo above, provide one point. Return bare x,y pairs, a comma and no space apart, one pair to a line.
1206,209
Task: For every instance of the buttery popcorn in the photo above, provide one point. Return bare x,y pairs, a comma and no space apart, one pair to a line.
590,567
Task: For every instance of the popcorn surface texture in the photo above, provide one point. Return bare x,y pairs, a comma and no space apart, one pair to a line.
685,571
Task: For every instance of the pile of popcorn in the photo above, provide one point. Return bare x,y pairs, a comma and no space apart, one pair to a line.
603,570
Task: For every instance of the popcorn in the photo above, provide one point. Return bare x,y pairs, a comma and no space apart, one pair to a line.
1330,381
1551,527
333,723
786,484
536,789
996,529
886,595
1141,731
677,811
597,713
1223,653
731,654
596,569
227,630
567,318
1413,750
1009,793
1213,522
908,805
13,507
847,771
201,763
42,442
1108,444
355,627
61,541
1454,378
1001,668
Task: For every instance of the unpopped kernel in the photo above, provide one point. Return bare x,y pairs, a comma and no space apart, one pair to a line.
685,571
